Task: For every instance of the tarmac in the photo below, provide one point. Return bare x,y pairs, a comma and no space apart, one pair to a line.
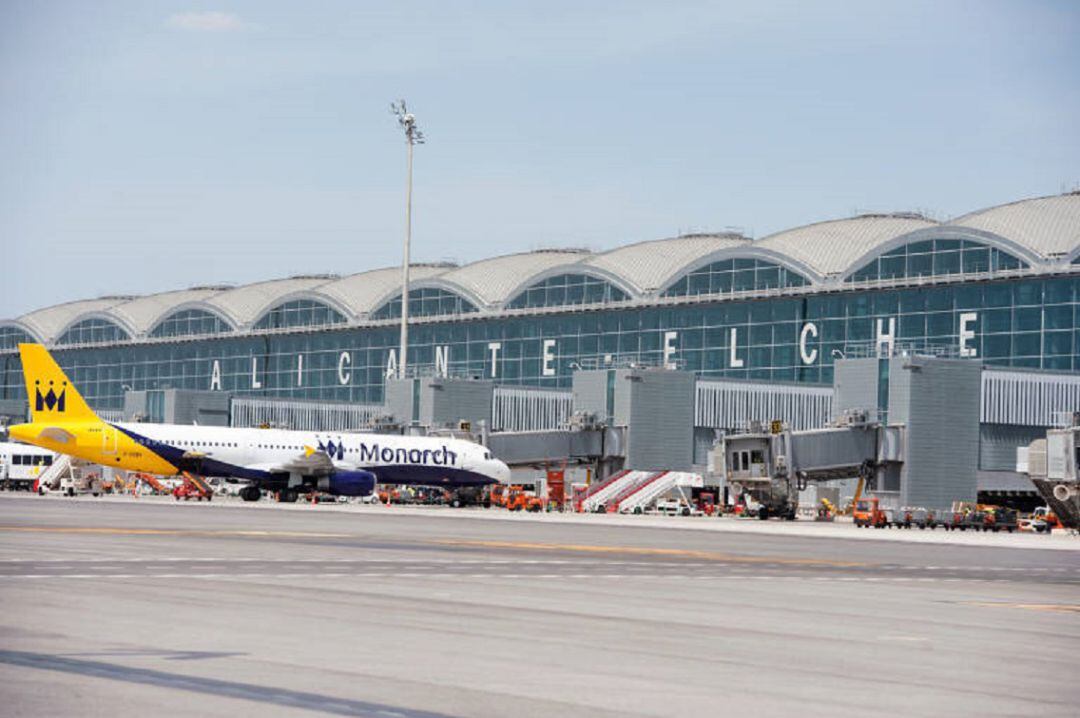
129,607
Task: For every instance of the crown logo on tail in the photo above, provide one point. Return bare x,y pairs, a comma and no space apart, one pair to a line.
50,400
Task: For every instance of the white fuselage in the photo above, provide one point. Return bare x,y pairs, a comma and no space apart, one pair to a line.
392,458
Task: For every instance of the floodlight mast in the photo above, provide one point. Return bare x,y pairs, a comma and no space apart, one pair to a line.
413,136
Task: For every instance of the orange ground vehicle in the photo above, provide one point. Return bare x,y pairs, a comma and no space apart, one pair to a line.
193,487
866,513
499,493
517,500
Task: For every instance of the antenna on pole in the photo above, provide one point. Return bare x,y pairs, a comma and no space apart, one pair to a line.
413,136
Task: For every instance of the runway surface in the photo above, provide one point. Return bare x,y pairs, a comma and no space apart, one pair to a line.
136,608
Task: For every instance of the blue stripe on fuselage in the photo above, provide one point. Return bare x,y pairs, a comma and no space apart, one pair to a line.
207,466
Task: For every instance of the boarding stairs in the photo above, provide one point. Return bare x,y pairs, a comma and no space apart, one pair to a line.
644,479
586,502
660,484
49,479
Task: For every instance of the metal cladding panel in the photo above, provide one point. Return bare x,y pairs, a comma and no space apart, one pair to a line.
1029,398
998,444
623,386
734,404
704,440
134,403
942,433
534,447
828,448
530,409
304,415
205,408
590,392
447,401
855,386
661,412
399,400
14,408
1011,481
899,400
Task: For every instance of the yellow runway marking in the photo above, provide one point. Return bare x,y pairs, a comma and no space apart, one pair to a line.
1051,607
167,532
639,551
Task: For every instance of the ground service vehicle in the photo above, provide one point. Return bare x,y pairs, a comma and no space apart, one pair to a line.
20,465
193,487
518,500
868,512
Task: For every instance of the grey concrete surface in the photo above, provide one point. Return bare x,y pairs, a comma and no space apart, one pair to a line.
148,608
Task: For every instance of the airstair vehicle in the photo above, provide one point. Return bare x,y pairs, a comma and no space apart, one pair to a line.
587,502
629,488
49,479
659,485
611,488
70,476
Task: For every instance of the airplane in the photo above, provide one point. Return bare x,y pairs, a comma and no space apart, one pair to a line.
277,460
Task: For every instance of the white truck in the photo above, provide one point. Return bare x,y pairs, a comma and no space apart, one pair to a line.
20,465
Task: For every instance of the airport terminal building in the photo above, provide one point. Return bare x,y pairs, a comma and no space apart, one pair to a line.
745,330
1001,285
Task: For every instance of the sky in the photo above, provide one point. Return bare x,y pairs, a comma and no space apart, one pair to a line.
147,146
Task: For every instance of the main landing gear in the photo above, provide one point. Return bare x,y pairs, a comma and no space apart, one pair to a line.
250,493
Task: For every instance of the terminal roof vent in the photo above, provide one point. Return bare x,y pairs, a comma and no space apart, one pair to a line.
119,297
441,264
714,235
212,287
894,215
327,276
561,250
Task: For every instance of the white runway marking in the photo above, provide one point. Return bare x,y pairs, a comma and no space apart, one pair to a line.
233,576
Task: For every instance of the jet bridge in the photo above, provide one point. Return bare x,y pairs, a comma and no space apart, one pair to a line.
1053,465
773,466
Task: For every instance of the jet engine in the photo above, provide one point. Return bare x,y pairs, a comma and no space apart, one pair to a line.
350,483
1064,492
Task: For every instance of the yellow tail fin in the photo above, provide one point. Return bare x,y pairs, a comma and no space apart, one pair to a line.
52,397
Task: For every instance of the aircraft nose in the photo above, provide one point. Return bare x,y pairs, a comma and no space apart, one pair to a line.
500,471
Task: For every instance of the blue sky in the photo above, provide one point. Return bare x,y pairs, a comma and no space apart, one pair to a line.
156,145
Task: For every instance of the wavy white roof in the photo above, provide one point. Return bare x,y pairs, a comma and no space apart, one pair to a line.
1045,231
144,313
1049,226
491,280
49,322
364,292
646,266
247,303
831,247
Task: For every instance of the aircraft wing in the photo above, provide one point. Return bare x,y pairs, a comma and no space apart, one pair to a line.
312,462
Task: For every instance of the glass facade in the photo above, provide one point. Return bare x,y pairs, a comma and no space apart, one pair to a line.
92,331
1016,322
190,322
299,313
11,337
426,302
735,275
935,257
567,290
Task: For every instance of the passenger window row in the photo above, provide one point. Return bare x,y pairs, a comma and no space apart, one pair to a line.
30,460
